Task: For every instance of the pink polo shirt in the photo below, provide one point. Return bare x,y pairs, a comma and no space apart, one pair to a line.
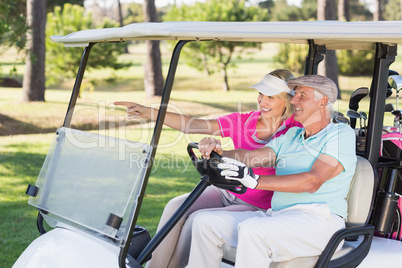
241,128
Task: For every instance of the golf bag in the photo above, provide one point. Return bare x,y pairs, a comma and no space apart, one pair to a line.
389,203
391,146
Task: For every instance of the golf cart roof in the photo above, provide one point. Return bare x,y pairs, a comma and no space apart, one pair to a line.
332,34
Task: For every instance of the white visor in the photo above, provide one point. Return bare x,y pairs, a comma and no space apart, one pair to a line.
271,86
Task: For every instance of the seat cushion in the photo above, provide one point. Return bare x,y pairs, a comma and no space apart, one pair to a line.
361,193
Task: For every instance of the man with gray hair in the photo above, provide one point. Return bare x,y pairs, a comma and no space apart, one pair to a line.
314,167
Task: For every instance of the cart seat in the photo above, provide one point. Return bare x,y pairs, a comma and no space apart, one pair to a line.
359,201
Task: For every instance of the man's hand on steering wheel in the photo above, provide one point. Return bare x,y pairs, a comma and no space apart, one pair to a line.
236,170
207,145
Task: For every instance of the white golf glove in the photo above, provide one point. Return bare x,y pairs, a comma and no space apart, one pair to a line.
236,170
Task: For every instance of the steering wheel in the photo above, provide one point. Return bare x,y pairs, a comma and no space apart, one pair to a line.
210,167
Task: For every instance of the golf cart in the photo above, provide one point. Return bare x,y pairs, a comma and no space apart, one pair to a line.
91,186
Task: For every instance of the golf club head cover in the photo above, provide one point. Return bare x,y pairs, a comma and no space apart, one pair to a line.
236,170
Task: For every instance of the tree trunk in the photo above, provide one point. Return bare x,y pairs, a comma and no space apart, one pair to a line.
33,87
343,10
120,13
225,84
326,10
343,15
400,8
321,4
153,79
121,21
205,63
224,64
378,13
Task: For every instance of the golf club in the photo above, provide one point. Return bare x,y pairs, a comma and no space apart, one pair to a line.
396,83
355,98
353,115
363,116
342,119
389,107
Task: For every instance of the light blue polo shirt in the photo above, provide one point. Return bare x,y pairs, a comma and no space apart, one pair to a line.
295,154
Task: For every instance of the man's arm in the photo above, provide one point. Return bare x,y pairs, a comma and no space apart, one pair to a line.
324,168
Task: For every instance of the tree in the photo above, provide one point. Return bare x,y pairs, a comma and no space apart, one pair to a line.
393,10
343,10
153,79
33,86
61,62
120,13
51,4
379,8
292,57
12,32
359,11
216,56
282,11
12,24
121,20
326,10
135,14
308,10
351,62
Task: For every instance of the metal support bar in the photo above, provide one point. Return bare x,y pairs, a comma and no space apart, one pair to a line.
67,122
164,231
154,143
77,85
315,56
385,55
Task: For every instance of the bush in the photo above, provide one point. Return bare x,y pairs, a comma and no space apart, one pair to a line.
354,62
292,57
350,62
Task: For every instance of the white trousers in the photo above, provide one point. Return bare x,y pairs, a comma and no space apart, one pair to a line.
262,238
174,250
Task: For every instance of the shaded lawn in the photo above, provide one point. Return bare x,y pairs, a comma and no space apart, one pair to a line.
19,164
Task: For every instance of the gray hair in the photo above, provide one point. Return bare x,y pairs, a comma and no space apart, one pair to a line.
330,106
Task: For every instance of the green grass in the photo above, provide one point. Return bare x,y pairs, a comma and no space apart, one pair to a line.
26,131
20,161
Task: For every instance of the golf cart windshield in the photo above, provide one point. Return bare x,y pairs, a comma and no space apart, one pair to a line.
90,181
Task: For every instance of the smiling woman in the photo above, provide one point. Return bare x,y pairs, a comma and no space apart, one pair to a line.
274,102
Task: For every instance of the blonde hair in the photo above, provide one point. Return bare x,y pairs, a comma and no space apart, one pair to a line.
282,74
286,76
